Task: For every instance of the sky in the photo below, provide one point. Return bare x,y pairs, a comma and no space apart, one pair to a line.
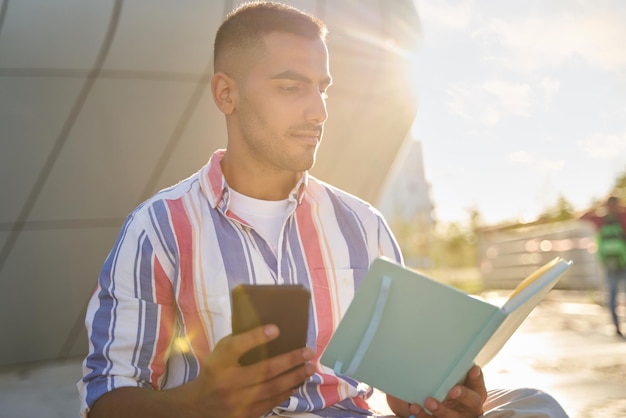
520,103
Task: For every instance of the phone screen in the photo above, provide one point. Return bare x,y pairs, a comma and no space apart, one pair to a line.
287,306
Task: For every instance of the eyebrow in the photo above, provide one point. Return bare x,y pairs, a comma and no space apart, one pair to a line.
295,76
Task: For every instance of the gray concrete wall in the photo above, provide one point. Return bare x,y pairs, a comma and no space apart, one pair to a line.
102,103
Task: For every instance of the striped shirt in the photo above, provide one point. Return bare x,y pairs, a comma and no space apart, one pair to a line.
163,296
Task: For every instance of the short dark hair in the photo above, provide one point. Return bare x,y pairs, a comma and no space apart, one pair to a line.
247,24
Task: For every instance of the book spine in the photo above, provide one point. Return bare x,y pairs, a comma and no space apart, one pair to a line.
370,332
459,369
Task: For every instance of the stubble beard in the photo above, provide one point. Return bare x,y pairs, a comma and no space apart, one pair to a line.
271,148
272,153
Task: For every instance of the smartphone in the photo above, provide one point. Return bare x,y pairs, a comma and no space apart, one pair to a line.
287,306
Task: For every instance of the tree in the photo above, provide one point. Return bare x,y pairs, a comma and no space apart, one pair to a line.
455,246
619,189
562,211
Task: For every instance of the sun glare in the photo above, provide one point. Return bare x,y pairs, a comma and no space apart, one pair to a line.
182,344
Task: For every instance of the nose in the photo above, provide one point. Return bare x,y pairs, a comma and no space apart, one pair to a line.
316,112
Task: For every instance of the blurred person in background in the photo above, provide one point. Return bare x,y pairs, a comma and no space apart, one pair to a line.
610,223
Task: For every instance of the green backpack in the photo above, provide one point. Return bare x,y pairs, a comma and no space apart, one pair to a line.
612,243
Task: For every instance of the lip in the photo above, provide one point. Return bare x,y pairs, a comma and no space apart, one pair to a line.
309,136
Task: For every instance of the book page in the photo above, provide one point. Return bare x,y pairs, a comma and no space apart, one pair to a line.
532,289
524,299
533,276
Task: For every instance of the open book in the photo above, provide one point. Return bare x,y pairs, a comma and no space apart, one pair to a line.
413,337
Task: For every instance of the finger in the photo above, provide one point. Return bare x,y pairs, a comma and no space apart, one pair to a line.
463,398
279,365
237,345
417,411
270,393
286,382
261,406
476,381
422,414
461,402
434,407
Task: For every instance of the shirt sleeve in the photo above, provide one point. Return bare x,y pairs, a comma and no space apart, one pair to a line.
388,246
130,318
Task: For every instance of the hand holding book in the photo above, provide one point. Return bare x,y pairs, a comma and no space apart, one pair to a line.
413,337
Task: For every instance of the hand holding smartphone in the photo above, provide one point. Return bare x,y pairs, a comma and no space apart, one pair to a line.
286,306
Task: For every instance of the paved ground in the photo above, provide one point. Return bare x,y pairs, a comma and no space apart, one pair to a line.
566,347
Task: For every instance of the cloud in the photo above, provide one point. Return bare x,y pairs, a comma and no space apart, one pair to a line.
527,44
490,117
443,15
520,157
539,165
459,95
604,146
550,166
549,87
488,102
514,97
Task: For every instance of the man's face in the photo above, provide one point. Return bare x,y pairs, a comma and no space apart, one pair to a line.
282,103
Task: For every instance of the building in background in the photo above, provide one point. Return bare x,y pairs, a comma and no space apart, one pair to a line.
406,203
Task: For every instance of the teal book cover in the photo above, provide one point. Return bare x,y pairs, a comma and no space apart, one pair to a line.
413,337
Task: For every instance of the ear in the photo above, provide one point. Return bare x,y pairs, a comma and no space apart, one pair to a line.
224,90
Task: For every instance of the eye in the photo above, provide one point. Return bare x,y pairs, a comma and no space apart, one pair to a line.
291,88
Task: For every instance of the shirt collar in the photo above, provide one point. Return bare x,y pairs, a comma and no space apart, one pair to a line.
215,187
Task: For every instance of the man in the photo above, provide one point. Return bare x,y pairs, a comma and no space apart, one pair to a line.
159,322
610,223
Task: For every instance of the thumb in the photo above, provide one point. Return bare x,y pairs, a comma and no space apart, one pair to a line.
475,381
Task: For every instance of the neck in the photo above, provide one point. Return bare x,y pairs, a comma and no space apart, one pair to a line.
262,183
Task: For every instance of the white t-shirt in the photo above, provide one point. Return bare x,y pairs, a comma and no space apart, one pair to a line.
265,216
